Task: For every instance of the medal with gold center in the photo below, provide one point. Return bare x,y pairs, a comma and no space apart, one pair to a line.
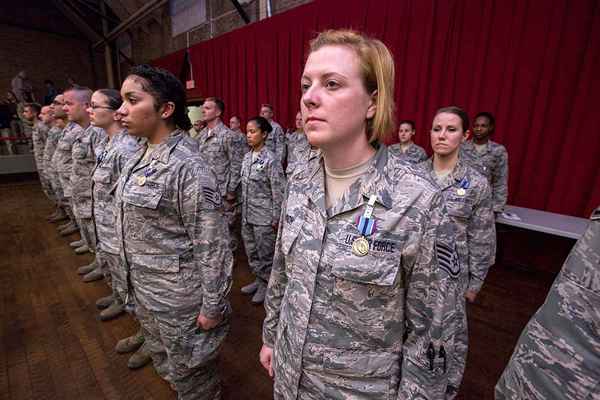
360,247
366,226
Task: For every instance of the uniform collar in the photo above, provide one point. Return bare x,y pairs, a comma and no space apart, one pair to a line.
373,182
454,177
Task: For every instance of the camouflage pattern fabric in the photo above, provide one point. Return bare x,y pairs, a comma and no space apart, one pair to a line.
115,154
558,353
175,248
63,157
218,149
276,141
39,137
413,154
297,144
493,164
86,148
262,195
468,200
376,326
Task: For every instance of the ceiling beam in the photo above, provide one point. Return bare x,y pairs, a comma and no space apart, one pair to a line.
133,19
241,11
79,22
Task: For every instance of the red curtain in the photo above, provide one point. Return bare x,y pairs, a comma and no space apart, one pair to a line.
533,63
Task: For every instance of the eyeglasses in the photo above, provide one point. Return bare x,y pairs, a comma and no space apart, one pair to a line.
94,107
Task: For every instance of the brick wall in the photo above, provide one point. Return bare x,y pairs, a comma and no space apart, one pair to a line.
47,56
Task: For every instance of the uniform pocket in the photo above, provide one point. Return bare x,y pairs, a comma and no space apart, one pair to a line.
156,263
361,374
143,197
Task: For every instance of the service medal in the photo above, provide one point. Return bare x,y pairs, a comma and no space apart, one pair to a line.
360,247
141,180
460,191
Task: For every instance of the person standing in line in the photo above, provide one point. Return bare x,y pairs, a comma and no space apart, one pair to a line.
46,125
276,141
174,239
241,148
117,148
558,353
488,157
63,164
218,147
297,143
54,135
468,199
262,193
81,162
361,302
406,149
31,113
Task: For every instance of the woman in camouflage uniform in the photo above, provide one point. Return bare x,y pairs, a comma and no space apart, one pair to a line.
406,149
469,202
262,193
362,293
174,239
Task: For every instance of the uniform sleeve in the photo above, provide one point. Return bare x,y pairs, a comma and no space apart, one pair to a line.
431,310
277,285
481,239
200,207
235,162
277,186
422,155
500,181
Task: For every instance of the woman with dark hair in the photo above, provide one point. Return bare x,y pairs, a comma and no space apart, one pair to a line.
175,245
469,202
406,149
262,194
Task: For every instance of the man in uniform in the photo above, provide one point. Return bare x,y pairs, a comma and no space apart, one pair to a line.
39,131
54,134
276,139
62,161
297,143
488,157
217,146
558,353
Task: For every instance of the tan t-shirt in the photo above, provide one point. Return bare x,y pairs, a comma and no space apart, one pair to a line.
149,151
337,181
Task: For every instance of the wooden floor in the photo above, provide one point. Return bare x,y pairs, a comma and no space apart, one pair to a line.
52,345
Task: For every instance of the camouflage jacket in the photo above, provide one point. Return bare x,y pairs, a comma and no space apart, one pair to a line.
219,151
297,143
63,156
469,202
54,135
276,141
39,136
558,353
381,325
240,145
414,154
105,176
262,188
174,238
493,164
87,147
